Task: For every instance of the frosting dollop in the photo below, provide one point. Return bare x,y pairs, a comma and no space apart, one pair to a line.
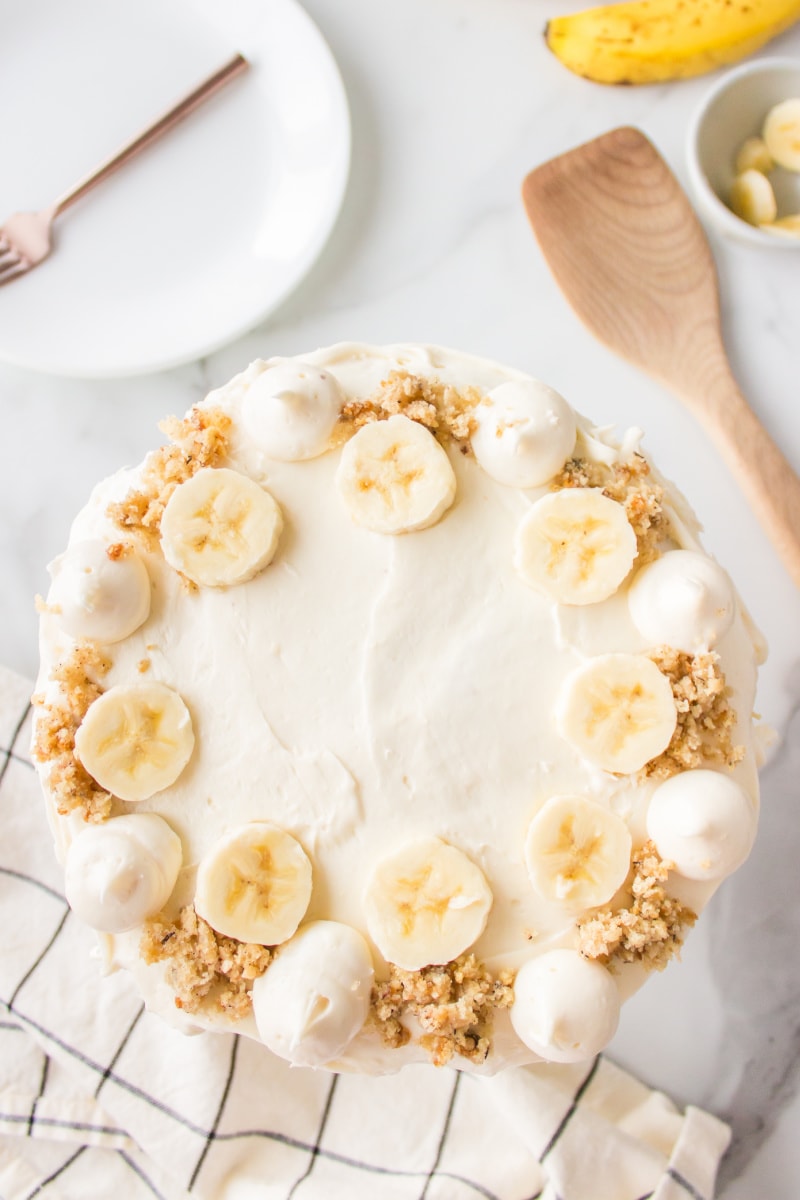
290,409
703,822
525,432
99,593
120,873
565,1008
683,599
314,997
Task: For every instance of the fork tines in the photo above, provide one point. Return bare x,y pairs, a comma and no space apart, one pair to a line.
11,263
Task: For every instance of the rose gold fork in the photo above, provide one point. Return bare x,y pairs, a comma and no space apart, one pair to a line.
25,238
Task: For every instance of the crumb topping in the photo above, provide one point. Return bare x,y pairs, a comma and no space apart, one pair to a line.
70,785
443,409
705,717
629,484
118,550
453,1004
199,440
649,930
206,970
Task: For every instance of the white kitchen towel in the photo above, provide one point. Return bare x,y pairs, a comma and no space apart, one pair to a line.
100,1099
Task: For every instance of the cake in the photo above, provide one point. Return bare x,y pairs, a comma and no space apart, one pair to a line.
392,712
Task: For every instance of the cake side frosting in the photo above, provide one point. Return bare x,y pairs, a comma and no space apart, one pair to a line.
412,698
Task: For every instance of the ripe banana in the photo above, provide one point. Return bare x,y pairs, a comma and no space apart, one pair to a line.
220,528
394,477
578,853
426,903
136,739
648,41
753,155
618,710
575,545
785,226
254,884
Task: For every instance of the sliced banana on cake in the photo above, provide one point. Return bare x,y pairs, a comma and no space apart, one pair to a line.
426,903
618,710
136,739
394,477
782,133
578,853
254,884
220,528
575,546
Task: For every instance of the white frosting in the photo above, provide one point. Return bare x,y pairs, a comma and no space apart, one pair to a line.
290,409
525,433
97,597
122,872
703,822
366,691
565,1008
315,996
683,599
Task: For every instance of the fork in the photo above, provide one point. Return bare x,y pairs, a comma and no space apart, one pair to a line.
26,238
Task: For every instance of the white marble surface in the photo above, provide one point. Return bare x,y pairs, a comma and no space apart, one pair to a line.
453,101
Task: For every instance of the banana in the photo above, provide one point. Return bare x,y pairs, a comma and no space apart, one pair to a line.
575,545
577,852
618,710
782,134
785,226
753,155
394,477
648,41
753,199
254,884
136,739
426,903
220,528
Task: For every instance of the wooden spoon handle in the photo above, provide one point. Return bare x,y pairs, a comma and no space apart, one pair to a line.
766,478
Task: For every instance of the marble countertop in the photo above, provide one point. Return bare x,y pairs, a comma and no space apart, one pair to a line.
453,101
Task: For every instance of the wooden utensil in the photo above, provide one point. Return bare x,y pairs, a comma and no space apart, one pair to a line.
624,245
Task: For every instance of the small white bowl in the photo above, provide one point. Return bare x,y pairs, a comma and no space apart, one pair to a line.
734,110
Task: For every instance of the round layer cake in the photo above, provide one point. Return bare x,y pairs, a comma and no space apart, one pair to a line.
391,712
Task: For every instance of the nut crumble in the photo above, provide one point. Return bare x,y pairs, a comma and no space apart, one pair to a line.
206,970
705,717
70,785
443,409
452,1003
627,483
199,440
649,930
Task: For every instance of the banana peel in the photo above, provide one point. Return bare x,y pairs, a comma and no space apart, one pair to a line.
651,41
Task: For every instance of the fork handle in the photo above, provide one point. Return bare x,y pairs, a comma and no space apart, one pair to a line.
167,121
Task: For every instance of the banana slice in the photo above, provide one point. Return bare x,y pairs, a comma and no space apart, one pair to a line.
254,884
618,710
220,528
753,199
426,903
577,852
136,739
788,226
781,133
394,477
753,156
575,545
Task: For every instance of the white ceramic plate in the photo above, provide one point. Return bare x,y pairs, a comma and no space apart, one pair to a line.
205,233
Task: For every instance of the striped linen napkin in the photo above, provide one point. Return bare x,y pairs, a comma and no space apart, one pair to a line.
99,1098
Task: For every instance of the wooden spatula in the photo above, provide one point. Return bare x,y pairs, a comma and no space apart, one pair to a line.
629,254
